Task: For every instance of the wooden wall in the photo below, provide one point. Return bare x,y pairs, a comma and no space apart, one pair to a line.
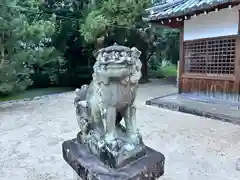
213,69
201,83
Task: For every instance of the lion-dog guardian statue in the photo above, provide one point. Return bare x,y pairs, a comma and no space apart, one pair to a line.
105,109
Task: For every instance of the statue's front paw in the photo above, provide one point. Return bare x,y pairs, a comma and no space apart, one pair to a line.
111,140
135,138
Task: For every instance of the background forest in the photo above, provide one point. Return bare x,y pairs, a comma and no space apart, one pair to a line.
46,43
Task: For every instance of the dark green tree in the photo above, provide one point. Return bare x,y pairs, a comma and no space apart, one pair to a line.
68,40
24,44
121,21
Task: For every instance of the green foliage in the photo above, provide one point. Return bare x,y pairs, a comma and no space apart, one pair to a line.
167,49
25,45
68,15
157,2
40,40
13,72
171,50
67,39
123,12
169,70
95,25
110,14
154,63
121,21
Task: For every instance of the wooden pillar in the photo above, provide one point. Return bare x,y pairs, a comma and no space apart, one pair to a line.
177,79
237,60
238,22
181,62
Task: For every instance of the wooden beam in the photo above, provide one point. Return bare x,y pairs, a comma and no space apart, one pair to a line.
238,22
172,24
237,67
213,38
223,77
181,60
237,60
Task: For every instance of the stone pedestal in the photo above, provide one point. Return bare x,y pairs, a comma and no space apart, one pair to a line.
90,167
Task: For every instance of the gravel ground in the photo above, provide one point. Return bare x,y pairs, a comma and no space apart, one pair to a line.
196,148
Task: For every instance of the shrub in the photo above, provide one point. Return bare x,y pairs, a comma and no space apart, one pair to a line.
163,71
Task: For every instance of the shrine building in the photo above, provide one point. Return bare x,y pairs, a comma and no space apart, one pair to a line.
209,43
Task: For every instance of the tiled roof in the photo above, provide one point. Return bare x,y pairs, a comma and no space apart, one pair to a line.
182,7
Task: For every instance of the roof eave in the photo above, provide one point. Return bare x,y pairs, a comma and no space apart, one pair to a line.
173,24
190,12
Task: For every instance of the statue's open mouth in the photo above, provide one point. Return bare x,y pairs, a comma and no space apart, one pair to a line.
117,66
117,62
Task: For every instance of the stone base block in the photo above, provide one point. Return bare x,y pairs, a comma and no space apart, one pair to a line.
89,167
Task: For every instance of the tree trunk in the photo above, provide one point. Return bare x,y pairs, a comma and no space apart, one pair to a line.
144,69
2,52
2,57
100,43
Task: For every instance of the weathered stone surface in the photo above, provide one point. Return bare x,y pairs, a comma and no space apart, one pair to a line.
238,164
88,166
105,149
110,156
219,111
108,100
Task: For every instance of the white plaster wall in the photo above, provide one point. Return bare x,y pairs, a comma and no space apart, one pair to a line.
214,24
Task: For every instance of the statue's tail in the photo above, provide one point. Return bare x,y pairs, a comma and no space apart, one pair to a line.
81,94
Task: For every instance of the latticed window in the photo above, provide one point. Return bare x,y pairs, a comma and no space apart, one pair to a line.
210,56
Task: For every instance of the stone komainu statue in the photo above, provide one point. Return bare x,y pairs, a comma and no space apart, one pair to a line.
109,99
